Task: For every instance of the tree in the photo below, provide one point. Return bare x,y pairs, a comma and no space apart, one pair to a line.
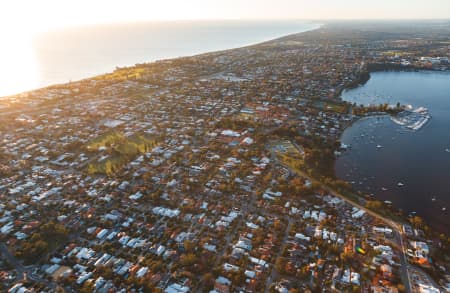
208,281
280,264
105,272
375,205
189,246
188,259
87,287
278,225
417,221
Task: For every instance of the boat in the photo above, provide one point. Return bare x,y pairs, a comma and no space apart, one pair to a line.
379,146
447,150
384,189
400,184
433,198
412,119
421,110
444,209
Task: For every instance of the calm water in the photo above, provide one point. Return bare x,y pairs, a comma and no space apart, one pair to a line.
71,54
418,159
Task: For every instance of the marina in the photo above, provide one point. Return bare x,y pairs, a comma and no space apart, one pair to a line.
390,156
412,119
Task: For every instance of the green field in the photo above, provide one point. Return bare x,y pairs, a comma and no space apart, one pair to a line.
121,150
287,153
331,106
123,74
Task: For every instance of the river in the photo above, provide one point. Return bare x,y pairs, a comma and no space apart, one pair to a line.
384,154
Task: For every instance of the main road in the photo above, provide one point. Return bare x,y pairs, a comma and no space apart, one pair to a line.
396,227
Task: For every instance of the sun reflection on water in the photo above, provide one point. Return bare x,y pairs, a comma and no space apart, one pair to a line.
18,65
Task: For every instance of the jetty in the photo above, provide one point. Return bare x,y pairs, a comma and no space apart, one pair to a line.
412,119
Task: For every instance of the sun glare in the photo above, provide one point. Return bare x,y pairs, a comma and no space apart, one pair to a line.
20,20
18,64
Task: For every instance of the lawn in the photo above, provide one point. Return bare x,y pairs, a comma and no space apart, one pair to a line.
288,153
120,150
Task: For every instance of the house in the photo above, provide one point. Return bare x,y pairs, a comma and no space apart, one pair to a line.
176,288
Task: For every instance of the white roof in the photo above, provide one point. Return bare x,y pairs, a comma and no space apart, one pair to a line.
176,288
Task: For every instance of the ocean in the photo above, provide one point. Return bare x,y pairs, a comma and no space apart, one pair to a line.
418,159
70,54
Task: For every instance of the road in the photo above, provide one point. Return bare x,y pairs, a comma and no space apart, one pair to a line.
420,274
228,238
396,227
12,260
247,207
273,273
21,269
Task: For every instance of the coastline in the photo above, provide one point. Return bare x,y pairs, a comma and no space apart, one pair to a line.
187,55
241,142
362,79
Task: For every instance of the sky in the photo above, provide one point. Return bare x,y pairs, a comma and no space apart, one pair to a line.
22,16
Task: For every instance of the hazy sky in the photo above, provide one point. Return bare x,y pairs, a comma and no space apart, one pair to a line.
31,15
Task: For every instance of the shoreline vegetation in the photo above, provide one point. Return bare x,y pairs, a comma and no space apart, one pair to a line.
368,112
363,77
226,158
359,111
386,208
